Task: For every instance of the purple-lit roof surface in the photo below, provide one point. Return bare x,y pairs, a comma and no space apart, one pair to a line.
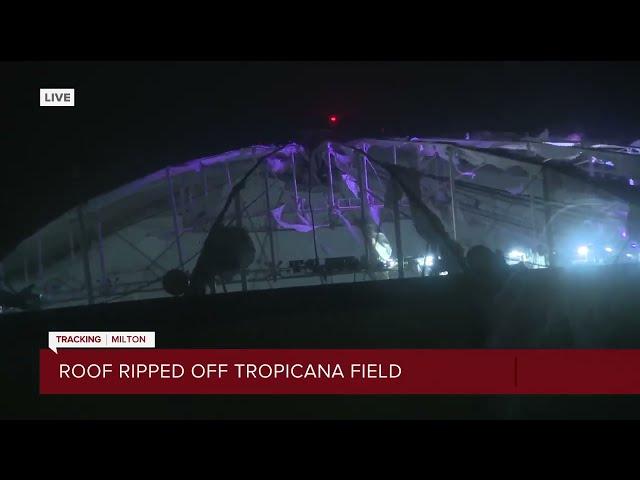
496,197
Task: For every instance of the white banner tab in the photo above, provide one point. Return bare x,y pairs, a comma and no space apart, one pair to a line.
101,340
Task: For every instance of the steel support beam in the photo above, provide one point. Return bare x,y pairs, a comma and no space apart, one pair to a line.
238,207
103,267
548,229
452,190
268,218
40,263
174,212
396,223
295,179
84,246
364,204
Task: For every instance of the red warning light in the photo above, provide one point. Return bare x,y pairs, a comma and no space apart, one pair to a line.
333,119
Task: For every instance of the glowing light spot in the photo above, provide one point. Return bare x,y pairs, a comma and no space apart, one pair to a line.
426,261
575,137
608,249
516,254
583,250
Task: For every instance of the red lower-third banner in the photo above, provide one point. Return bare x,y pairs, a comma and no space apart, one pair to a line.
353,372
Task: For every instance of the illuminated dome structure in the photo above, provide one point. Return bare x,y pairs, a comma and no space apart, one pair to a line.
541,201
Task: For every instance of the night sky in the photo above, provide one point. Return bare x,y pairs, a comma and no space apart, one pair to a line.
132,118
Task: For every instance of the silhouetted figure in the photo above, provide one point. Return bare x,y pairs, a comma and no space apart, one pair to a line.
488,270
501,261
481,260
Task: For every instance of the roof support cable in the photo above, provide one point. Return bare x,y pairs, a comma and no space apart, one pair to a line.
313,222
200,274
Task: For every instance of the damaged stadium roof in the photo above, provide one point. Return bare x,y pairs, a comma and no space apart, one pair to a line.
482,191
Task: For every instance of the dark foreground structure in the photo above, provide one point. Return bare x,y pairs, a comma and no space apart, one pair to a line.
582,307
